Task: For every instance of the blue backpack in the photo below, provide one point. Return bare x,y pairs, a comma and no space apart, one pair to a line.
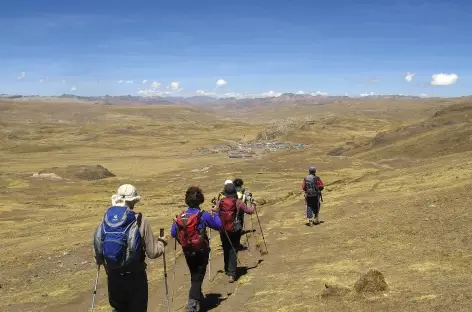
117,240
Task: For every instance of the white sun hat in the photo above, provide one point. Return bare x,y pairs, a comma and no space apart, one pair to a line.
125,193
228,182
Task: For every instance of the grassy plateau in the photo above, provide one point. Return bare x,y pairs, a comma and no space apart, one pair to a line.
397,200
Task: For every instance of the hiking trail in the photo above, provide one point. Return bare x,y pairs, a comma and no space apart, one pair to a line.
220,294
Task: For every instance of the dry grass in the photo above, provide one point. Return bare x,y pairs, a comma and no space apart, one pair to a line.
392,207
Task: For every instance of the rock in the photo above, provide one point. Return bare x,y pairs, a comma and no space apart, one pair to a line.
373,281
80,172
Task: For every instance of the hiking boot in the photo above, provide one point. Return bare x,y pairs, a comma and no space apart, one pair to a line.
231,279
316,221
193,305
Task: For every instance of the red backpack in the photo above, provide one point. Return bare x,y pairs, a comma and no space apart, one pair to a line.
188,234
229,214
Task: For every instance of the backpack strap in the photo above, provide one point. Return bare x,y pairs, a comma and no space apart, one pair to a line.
139,218
199,216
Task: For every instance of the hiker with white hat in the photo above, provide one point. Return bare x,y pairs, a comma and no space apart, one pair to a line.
228,209
221,194
121,243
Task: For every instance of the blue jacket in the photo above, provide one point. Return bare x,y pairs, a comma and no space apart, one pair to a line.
207,220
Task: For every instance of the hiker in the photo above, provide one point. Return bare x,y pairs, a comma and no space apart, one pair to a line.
222,193
313,186
238,183
228,208
126,268
189,229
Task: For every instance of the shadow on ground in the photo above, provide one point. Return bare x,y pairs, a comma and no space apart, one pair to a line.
212,301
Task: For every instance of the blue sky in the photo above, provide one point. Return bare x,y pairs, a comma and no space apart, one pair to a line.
338,47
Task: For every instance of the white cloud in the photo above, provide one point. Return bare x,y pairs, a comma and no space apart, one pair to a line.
270,94
444,79
121,81
409,76
73,88
156,90
21,75
63,81
367,94
204,93
237,95
423,95
318,93
300,92
221,83
145,81
129,81
152,92
44,79
175,85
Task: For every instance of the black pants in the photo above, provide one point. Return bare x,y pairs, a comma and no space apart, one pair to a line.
128,293
230,255
197,263
313,206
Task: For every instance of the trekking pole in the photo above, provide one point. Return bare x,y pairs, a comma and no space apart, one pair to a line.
165,272
95,288
260,226
234,250
209,256
175,258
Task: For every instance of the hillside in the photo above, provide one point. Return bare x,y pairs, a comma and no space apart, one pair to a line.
382,210
447,131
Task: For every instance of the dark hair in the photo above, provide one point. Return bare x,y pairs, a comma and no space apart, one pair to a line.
238,182
194,197
230,190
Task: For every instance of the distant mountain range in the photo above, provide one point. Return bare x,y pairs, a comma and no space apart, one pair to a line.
286,98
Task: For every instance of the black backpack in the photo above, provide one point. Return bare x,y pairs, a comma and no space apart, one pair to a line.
310,183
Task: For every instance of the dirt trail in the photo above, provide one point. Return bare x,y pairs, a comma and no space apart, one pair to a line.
221,295
282,239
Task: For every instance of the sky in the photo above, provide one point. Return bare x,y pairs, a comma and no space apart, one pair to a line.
238,48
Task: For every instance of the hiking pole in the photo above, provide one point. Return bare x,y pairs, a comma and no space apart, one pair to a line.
161,234
209,256
231,244
95,288
175,258
260,226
